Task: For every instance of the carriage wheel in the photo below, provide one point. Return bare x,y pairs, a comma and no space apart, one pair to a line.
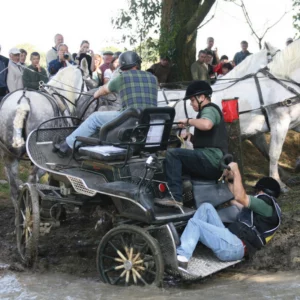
128,255
28,224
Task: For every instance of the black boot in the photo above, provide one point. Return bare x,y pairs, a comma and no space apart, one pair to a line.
62,149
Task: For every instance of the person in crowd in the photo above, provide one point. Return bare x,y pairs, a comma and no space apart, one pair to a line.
34,73
61,61
113,66
162,70
240,56
107,58
208,61
3,75
97,75
23,56
52,53
288,41
226,68
88,54
15,71
137,89
210,44
256,223
198,69
218,67
209,141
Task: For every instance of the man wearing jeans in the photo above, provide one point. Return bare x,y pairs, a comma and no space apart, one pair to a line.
210,144
137,89
255,226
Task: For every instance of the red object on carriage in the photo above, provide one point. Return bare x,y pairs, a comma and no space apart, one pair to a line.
230,109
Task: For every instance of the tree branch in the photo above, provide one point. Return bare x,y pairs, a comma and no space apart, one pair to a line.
199,15
248,19
201,25
263,35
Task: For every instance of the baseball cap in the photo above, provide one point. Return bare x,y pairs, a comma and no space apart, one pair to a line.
108,52
289,40
14,51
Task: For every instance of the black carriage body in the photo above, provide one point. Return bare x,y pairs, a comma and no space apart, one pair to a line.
84,178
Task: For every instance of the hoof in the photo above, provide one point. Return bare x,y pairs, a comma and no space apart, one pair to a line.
293,181
284,189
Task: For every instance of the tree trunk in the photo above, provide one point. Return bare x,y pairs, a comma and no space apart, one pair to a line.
179,23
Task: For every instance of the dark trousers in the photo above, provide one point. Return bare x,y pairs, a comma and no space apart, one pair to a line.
3,91
191,162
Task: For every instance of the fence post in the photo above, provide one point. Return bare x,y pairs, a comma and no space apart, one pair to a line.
230,109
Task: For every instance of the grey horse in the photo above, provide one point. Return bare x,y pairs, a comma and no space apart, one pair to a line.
23,111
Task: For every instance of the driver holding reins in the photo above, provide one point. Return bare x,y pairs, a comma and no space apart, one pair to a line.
210,144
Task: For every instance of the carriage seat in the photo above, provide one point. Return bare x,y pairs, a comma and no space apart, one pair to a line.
211,191
148,129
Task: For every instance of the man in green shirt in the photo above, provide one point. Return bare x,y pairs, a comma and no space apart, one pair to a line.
199,69
34,73
210,144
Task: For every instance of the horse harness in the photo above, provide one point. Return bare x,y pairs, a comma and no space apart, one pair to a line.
286,102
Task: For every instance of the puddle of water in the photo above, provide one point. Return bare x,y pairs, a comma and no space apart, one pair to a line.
31,286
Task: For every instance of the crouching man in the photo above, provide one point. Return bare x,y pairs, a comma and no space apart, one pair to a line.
255,225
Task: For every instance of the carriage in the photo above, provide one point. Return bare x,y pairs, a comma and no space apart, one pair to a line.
124,170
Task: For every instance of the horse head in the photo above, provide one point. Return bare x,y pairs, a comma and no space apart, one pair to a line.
69,83
90,82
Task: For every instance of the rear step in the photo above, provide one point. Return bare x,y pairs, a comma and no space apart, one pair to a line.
204,263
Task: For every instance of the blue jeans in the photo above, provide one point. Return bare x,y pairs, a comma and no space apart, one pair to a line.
91,125
185,161
206,227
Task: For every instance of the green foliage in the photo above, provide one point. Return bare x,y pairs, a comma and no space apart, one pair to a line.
139,21
112,49
148,51
31,48
296,17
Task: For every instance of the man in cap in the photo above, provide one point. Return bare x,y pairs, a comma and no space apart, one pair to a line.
3,75
162,70
107,58
137,89
15,71
210,144
288,41
254,227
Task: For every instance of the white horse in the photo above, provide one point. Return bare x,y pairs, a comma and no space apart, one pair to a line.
282,115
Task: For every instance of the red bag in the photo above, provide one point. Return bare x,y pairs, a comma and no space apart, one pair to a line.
230,109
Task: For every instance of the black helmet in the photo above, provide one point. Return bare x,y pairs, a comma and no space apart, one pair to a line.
128,60
269,186
198,87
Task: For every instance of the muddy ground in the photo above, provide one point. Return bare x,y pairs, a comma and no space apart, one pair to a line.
71,247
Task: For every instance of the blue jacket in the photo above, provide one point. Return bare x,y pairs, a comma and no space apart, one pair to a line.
55,65
3,74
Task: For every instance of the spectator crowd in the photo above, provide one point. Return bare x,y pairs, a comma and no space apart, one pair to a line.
15,74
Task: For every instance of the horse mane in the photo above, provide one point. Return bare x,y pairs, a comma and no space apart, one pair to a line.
286,61
64,76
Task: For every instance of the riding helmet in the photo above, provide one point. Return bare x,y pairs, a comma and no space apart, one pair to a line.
269,186
128,60
198,87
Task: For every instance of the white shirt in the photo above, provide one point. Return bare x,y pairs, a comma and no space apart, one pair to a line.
14,77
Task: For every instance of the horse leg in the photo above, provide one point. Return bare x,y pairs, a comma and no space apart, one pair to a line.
12,174
279,131
260,142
